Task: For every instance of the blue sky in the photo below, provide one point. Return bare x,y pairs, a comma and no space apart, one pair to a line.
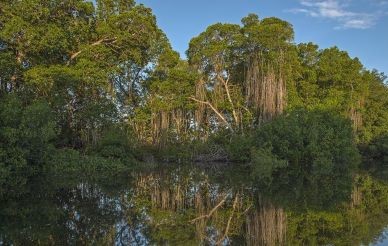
357,26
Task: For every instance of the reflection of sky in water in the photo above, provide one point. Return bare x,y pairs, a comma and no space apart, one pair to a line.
383,240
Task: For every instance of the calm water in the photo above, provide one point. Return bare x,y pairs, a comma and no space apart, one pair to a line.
188,206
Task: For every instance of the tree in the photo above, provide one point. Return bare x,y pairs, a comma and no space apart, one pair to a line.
268,57
375,115
86,61
219,95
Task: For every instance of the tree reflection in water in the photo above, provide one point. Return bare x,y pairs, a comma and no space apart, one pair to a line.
184,206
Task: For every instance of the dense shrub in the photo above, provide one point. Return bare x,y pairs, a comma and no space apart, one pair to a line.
239,148
265,164
26,134
69,161
376,155
307,149
115,143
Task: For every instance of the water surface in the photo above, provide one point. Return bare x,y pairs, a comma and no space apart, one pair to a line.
191,206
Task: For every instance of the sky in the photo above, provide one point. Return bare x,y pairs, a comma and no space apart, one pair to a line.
359,27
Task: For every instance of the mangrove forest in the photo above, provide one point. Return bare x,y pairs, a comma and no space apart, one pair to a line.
108,136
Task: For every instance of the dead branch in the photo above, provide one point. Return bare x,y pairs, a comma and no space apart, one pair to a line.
214,109
206,216
226,85
247,209
229,221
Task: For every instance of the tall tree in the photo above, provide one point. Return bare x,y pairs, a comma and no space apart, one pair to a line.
214,54
167,113
267,47
86,61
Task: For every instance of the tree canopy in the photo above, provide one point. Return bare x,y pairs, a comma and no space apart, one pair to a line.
107,65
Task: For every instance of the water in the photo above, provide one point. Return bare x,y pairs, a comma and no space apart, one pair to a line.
190,206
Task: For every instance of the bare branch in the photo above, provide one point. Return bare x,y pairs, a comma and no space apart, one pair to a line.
247,209
225,83
214,109
206,216
229,221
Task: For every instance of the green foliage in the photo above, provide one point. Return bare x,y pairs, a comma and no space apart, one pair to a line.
38,130
103,79
318,148
348,224
68,161
239,147
376,156
329,79
42,31
376,114
172,88
270,34
307,86
26,135
264,165
86,61
115,144
215,45
318,141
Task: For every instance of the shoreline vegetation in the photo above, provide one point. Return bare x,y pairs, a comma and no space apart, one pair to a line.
97,89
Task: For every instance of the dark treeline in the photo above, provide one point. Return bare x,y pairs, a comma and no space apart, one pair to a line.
83,85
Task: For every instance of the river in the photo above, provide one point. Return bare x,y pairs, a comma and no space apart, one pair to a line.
187,205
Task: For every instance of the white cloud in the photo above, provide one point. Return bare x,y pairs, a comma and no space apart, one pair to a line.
337,10
359,24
